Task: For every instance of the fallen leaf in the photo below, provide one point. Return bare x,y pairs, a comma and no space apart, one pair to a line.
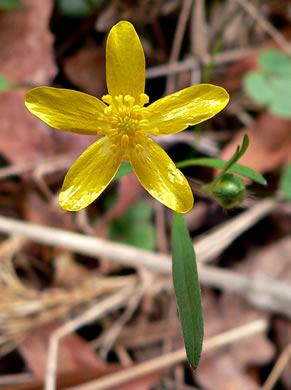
86,70
237,70
39,211
125,199
77,363
270,144
74,353
23,137
282,336
226,367
26,46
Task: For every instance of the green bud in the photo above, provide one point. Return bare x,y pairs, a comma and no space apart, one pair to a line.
230,191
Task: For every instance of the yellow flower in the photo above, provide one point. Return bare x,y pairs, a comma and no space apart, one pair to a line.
125,124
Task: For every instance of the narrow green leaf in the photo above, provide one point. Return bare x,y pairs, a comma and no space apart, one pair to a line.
187,289
239,169
238,153
208,70
125,169
285,182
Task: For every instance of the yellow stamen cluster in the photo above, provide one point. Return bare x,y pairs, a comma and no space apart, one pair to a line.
126,125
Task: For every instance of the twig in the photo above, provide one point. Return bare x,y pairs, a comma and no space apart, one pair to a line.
263,292
50,163
161,228
199,36
179,34
191,63
163,362
113,302
212,243
278,368
206,248
16,379
266,25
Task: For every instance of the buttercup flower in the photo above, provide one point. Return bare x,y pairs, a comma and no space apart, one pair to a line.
125,124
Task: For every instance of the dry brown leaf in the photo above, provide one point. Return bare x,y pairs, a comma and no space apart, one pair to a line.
270,144
282,335
77,363
86,70
39,211
272,261
236,71
26,45
129,190
22,136
226,368
74,353
138,12
26,56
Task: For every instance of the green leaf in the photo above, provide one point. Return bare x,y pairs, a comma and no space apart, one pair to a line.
11,5
275,63
209,188
141,210
78,8
134,227
187,289
240,151
285,182
239,169
258,88
4,84
281,104
124,169
142,235
271,85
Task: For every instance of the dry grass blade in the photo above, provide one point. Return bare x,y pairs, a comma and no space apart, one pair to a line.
265,293
172,358
108,304
266,25
278,368
179,34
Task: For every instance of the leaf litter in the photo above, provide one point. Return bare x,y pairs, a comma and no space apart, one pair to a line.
44,287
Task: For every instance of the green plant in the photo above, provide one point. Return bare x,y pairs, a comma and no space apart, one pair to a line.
10,5
271,84
78,8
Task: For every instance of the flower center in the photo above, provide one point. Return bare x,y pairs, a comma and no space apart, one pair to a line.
125,121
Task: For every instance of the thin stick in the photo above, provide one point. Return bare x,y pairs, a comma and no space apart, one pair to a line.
207,247
54,163
278,368
264,293
191,64
113,302
16,379
266,25
199,36
163,362
212,243
179,34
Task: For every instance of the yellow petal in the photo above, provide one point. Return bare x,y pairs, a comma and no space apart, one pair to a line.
125,62
89,175
160,177
189,106
65,109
